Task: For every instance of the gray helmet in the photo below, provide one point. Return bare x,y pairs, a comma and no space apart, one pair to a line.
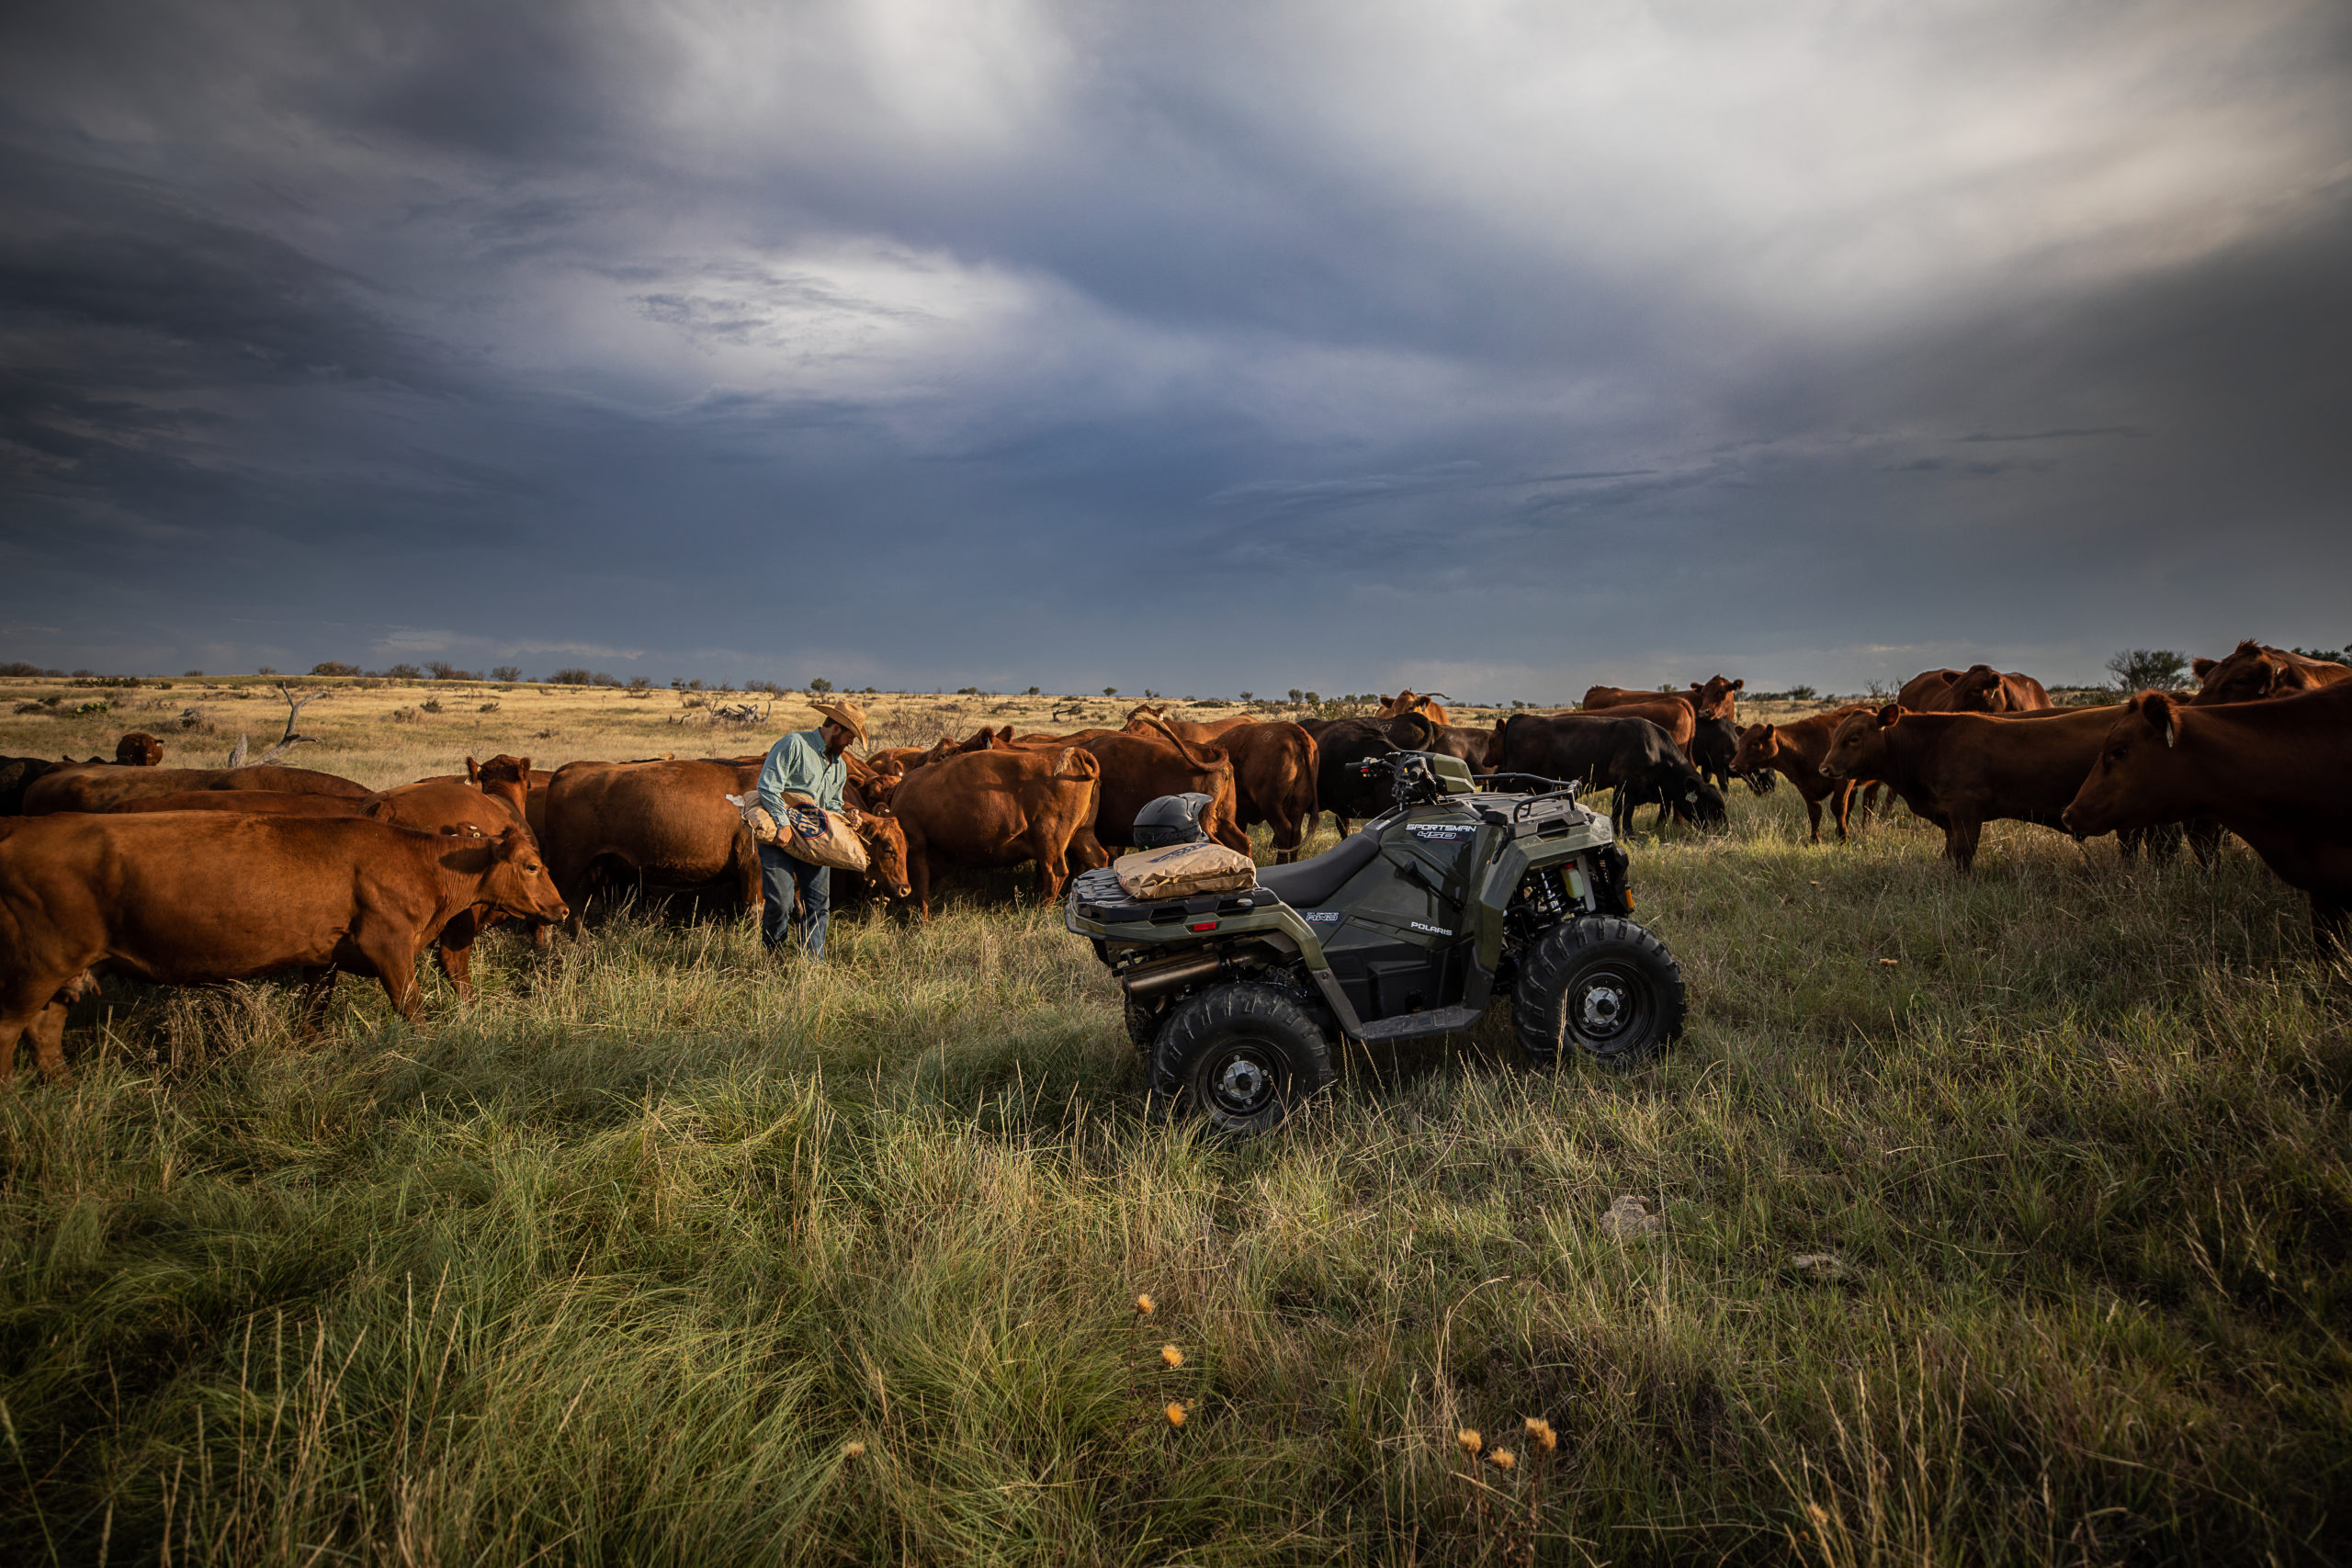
1170,820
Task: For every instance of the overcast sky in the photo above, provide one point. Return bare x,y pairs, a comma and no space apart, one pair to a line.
1497,348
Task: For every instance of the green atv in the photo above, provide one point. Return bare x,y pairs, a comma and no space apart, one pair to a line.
1404,931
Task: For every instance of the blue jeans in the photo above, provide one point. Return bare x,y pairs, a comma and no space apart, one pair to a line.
781,878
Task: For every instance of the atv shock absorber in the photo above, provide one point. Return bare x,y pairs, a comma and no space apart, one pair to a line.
1543,902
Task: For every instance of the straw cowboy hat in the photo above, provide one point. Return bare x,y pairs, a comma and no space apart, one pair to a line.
846,714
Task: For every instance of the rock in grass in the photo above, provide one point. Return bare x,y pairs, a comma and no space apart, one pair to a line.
1819,1265
1629,1216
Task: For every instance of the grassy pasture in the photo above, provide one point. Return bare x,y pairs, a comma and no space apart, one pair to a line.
616,1265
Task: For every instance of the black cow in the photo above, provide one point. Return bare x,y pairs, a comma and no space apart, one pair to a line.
17,775
1340,742
1630,756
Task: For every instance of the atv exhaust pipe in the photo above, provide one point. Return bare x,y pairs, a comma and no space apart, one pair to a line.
1150,981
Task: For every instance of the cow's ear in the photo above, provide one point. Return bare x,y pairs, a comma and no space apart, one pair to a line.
523,767
1890,715
2156,709
2202,667
473,770
1740,684
1769,731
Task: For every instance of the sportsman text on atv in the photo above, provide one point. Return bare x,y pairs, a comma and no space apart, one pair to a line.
1406,929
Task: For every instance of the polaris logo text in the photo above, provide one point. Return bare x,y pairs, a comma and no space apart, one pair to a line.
1434,930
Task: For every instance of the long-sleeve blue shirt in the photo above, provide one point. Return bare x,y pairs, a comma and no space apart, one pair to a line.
797,765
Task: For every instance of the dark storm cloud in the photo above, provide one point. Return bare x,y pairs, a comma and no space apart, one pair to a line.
1497,354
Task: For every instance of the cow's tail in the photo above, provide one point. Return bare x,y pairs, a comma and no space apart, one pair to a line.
1213,757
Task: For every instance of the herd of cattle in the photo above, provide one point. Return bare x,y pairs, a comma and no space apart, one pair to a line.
181,875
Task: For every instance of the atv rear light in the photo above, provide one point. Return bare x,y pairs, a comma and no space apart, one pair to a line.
1202,925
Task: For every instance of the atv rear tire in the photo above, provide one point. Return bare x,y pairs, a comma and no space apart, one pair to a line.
1601,985
1240,1056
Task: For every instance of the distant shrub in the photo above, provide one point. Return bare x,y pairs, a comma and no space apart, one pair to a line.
18,667
820,686
403,672
570,678
490,707
191,674
430,704
334,667
2149,670
442,670
2327,655
508,672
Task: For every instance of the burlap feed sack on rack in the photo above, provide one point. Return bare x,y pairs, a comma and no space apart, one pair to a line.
819,837
1179,871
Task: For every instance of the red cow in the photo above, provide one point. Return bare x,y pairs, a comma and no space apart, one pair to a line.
1961,771
180,899
2271,771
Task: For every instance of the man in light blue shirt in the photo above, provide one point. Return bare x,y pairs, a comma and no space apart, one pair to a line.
804,768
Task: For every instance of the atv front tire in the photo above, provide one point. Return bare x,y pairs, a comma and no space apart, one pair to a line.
1602,985
1240,1056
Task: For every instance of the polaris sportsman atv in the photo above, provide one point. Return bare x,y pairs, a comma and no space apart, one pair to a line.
1406,929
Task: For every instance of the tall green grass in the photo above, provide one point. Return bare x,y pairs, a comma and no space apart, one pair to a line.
617,1265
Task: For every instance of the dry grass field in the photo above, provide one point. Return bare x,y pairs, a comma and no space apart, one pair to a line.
2001,1220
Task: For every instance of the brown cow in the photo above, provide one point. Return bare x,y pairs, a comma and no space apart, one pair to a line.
1795,751
1712,698
138,749
1198,734
97,786
1138,770
180,900
524,787
1928,691
670,828
245,802
2253,672
1273,780
997,807
2271,771
1961,771
1409,701
666,826
1980,688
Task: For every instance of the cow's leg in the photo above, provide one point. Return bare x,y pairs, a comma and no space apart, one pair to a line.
919,877
46,1035
394,961
1286,837
2205,839
1087,849
1812,816
453,950
1961,834
1053,865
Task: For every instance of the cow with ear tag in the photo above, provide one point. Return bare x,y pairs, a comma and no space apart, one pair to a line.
2271,771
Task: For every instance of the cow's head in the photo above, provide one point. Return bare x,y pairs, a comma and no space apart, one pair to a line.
1705,802
516,881
2136,781
1979,689
1858,751
138,749
886,852
1716,697
2249,674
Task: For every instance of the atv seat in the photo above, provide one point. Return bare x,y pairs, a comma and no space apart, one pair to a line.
1308,883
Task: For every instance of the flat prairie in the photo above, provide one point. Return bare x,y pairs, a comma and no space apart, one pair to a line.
1997,1219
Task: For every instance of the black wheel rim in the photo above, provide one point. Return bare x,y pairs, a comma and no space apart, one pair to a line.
1241,1080
1608,1005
